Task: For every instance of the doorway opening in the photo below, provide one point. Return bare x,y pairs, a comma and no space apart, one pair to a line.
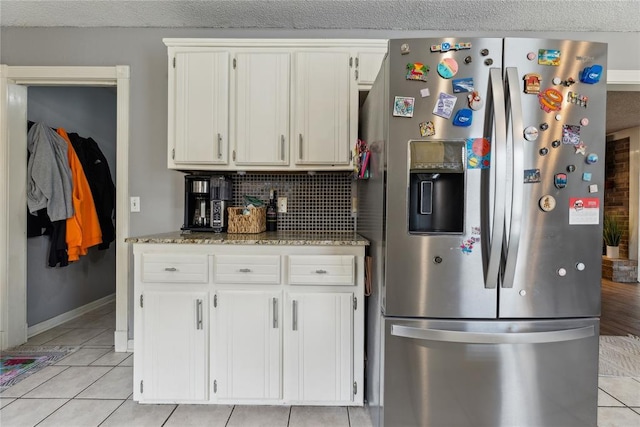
14,84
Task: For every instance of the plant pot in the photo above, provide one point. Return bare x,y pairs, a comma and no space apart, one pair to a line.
613,251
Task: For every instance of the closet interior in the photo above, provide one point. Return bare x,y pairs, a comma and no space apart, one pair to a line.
56,287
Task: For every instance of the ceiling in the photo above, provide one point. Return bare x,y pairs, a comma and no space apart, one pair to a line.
623,108
461,15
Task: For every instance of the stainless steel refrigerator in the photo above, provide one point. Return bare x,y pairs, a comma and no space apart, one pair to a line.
484,207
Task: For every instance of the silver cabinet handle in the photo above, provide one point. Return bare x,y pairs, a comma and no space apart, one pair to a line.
219,146
275,313
499,164
170,269
294,323
321,271
492,338
300,146
282,147
199,314
514,106
245,270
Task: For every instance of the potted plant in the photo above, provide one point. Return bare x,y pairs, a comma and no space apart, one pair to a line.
612,233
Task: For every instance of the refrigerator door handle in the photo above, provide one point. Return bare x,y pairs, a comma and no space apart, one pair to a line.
514,107
499,164
492,338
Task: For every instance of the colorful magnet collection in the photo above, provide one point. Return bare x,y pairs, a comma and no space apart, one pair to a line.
552,98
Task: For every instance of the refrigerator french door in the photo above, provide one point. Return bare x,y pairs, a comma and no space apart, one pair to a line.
485,228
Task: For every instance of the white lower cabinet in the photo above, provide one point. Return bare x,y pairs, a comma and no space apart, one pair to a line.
318,348
254,324
247,345
175,340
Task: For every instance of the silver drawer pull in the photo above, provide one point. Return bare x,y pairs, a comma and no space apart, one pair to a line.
170,269
321,271
245,270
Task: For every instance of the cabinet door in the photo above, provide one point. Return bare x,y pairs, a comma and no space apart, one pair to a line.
261,121
368,65
318,347
247,353
174,342
322,108
200,108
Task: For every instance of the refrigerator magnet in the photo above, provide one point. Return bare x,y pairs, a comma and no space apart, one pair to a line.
478,153
571,134
531,56
462,85
571,168
404,48
577,99
592,158
424,92
447,68
427,129
463,117
403,106
543,151
417,71
560,180
550,100
591,75
593,188
584,211
556,143
531,133
581,149
531,176
444,105
548,57
475,102
586,176
547,203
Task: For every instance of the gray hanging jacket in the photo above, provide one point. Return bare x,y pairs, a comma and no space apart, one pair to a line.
49,182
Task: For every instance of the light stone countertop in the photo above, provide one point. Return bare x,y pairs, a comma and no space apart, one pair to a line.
294,238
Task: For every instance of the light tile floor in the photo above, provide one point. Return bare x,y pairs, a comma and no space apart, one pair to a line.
93,387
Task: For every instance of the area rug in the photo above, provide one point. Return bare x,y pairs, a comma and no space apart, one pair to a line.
19,363
619,356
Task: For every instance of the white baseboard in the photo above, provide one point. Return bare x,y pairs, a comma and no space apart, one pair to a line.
69,315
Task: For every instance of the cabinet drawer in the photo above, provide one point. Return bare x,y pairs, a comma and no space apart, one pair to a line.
321,269
247,269
192,268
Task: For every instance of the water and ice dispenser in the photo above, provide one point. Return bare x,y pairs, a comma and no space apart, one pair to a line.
436,187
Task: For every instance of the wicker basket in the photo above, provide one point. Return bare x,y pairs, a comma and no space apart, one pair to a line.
255,222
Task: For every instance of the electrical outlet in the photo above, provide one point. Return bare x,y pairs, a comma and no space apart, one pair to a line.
282,205
135,204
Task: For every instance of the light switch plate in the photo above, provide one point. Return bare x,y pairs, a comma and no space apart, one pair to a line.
135,204
282,205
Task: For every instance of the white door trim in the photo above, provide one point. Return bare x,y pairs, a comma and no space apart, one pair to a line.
118,76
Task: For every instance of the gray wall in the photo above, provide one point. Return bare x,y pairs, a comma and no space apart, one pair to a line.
89,112
160,189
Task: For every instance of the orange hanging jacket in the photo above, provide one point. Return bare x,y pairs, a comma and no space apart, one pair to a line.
83,228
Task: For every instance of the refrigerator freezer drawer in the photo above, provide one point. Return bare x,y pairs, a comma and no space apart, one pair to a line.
490,373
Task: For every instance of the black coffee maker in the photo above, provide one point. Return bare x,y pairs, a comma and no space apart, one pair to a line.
205,202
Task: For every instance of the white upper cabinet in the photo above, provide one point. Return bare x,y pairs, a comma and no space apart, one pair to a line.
368,64
261,120
267,104
322,133
198,107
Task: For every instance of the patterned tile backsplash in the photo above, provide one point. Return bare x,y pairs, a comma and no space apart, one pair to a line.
319,202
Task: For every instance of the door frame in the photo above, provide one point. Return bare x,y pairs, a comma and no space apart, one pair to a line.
13,310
